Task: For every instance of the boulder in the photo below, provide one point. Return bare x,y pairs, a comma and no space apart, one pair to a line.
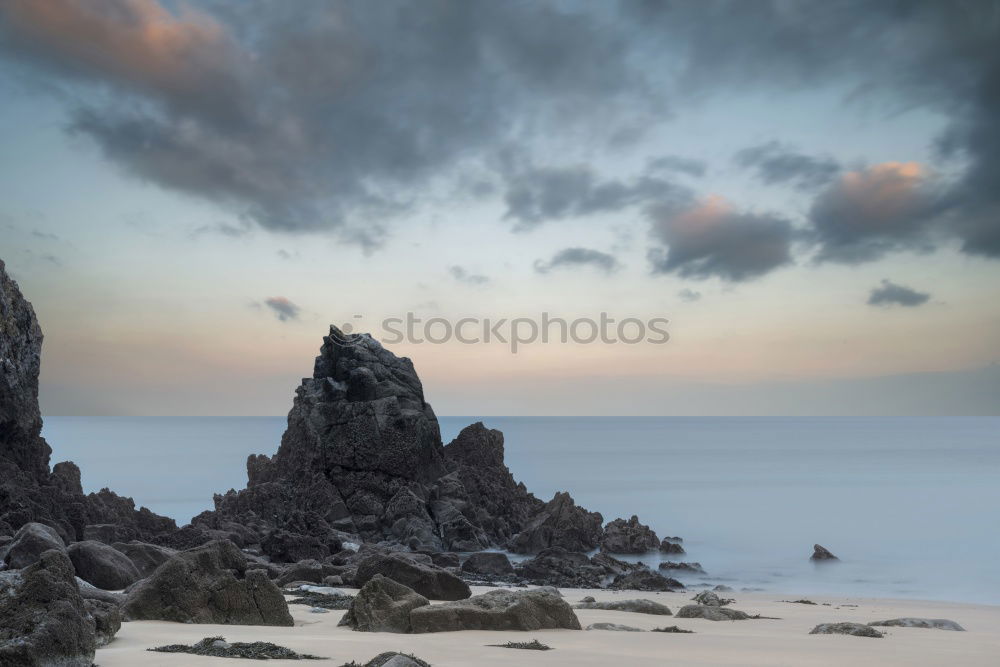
431,581
307,570
560,523
208,584
43,619
711,599
383,605
628,537
445,559
645,580
109,533
821,553
853,629
102,565
935,623
639,606
394,659
146,557
91,592
613,566
488,563
686,568
557,567
107,620
29,543
497,610
711,613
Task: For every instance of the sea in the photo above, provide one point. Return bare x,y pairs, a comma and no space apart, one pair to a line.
911,505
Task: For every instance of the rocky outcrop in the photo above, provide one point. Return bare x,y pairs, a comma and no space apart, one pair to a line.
556,566
561,523
853,629
682,568
645,580
497,610
671,546
639,606
208,584
383,605
429,580
29,490
628,537
103,566
43,618
821,553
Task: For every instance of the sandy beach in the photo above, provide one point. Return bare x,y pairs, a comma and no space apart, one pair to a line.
753,642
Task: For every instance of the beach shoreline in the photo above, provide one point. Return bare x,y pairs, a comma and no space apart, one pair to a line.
784,640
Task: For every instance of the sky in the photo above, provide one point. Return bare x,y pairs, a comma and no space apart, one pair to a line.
807,192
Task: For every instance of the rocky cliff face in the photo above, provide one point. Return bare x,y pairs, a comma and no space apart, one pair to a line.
29,491
363,455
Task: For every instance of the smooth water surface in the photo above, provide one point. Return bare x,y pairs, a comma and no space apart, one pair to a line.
909,504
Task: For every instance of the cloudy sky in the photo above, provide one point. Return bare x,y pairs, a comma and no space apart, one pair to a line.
191,192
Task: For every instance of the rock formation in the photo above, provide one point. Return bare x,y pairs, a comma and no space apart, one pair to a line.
362,456
628,537
497,610
821,553
383,605
29,490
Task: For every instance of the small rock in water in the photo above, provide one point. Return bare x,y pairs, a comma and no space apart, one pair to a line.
935,623
821,553
218,647
854,629
614,627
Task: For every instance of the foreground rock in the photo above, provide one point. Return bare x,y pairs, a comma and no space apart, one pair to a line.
208,584
710,613
628,537
929,623
821,553
43,618
497,610
218,647
637,606
854,629
107,620
383,605
102,565
429,580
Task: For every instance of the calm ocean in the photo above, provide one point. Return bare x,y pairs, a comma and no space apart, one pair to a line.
910,505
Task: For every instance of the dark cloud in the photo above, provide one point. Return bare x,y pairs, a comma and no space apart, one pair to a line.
573,257
867,213
710,238
891,294
463,276
284,309
774,162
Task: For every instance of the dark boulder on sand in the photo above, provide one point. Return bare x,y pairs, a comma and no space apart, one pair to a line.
639,606
102,565
429,580
383,605
146,557
628,537
497,610
711,613
927,623
821,553
854,629
43,618
208,584
645,580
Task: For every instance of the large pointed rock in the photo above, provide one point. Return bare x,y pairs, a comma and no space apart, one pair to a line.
561,523
383,605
